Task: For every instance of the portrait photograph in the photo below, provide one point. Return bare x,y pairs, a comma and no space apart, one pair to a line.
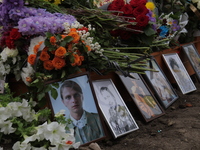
76,97
179,72
114,109
163,89
194,58
142,96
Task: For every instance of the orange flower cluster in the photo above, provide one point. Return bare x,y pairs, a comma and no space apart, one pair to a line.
62,54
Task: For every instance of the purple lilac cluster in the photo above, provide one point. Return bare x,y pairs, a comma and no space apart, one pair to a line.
5,7
31,21
39,21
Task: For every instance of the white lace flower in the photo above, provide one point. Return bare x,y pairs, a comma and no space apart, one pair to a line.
21,146
6,127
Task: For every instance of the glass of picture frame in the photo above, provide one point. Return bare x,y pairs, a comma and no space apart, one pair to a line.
179,72
142,96
194,57
161,86
114,109
76,96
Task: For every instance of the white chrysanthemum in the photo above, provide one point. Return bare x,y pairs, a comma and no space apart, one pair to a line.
76,25
35,41
6,127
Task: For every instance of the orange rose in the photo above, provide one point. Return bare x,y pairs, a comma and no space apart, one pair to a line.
36,47
77,60
48,65
31,59
58,62
88,47
45,49
53,40
60,52
44,56
63,36
73,29
75,35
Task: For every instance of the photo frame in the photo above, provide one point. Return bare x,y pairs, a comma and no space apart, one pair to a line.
179,72
145,101
76,96
194,58
161,86
114,109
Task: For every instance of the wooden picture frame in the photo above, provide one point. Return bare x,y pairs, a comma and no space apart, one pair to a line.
142,96
179,72
74,95
114,109
194,58
161,86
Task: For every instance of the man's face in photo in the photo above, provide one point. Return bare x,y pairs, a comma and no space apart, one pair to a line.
72,99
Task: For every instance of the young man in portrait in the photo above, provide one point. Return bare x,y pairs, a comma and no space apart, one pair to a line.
87,126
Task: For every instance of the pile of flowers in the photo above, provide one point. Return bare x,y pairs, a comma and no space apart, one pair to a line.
148,27
135,12
26,128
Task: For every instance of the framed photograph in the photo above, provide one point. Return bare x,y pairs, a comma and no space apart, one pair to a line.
163,89
194,58
114,109
179,72
76,96
142,96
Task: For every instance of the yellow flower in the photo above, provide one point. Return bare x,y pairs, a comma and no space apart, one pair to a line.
56,2
150,5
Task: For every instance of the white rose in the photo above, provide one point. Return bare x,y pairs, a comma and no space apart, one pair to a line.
11,52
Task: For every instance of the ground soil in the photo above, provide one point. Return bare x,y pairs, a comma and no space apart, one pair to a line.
178,129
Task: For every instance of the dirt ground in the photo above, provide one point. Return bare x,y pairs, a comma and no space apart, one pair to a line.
178,129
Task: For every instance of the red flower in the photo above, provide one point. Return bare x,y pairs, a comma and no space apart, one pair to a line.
125,35
116,5
14,34
127,9
83,28
10,43
141,9
136,3
142,20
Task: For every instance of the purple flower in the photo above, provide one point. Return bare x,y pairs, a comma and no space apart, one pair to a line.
175,26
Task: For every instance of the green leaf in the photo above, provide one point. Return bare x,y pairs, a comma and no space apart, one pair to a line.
54,93
40,96
68,39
